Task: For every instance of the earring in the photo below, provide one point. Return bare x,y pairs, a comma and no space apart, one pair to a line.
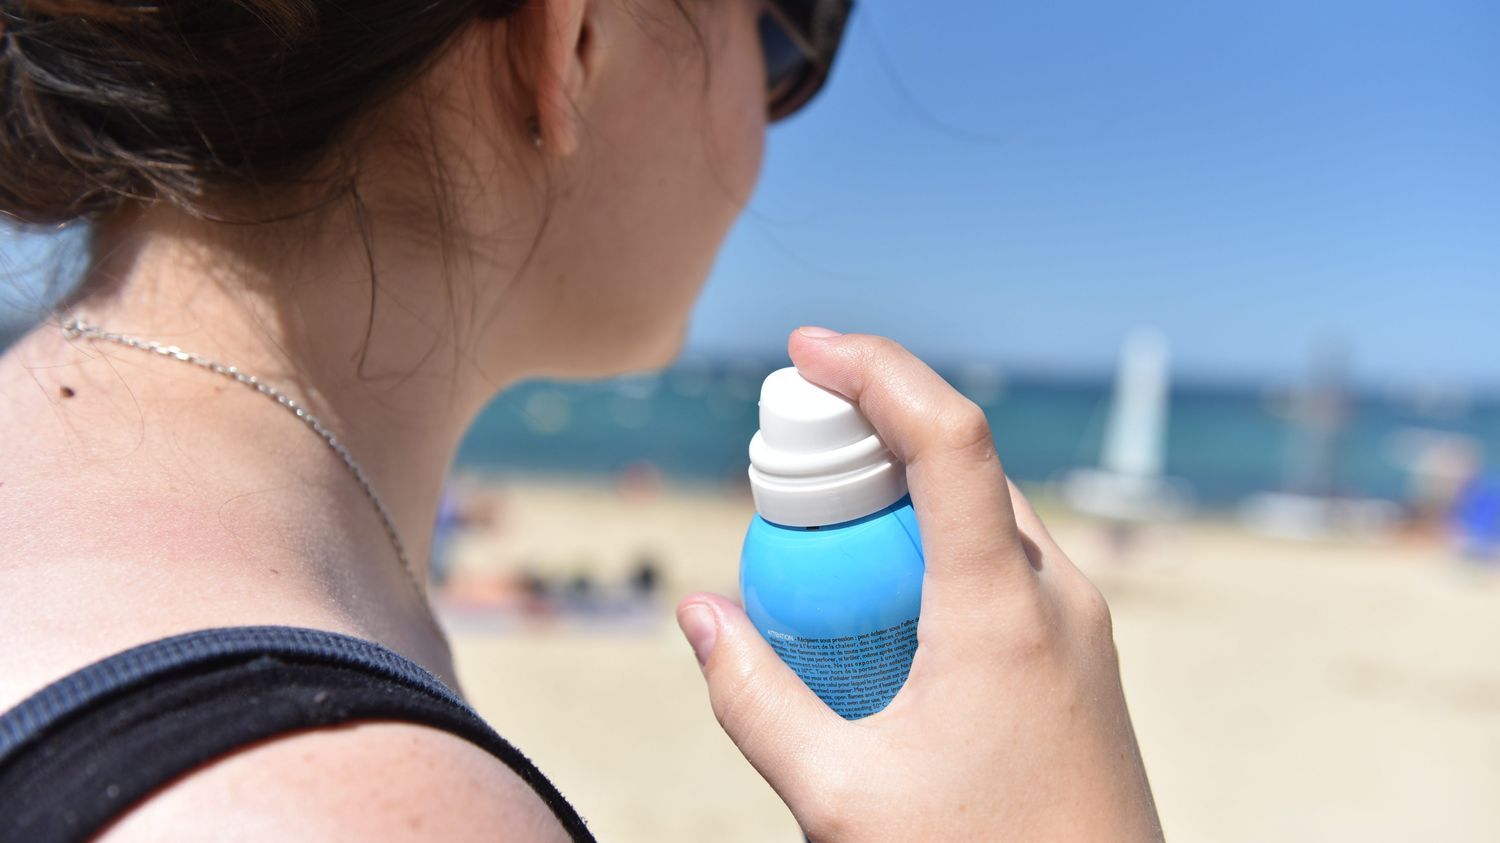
534,126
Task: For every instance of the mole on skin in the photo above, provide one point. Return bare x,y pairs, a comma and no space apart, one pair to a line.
66,391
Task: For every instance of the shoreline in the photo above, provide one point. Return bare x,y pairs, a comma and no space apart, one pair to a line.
1279,689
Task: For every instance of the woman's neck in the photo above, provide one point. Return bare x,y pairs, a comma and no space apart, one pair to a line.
215,467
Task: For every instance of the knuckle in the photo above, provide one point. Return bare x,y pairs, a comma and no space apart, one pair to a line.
963,426
877,356
878,348
1093,612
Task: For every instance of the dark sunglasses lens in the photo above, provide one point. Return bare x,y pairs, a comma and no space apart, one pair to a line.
786,66
800,13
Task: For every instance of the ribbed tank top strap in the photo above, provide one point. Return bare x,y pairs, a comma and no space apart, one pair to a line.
89,746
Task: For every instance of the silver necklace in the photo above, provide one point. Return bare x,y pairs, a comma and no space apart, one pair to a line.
73,328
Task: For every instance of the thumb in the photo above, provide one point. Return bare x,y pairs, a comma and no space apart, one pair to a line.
779,724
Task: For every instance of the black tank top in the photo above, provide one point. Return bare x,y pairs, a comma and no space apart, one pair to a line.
88,747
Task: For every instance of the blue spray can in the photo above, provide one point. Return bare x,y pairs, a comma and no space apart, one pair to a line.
831,570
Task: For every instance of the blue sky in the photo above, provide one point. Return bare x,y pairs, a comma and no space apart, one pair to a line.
1021,183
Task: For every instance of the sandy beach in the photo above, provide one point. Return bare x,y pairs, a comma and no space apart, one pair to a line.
1280,690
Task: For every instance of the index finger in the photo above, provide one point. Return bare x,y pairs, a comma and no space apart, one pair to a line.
958,487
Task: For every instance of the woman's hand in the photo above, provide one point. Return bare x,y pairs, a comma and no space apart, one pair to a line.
1012,724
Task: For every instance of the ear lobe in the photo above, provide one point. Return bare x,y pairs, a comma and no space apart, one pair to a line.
560,43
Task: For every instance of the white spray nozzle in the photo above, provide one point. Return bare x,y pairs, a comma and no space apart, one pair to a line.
816,460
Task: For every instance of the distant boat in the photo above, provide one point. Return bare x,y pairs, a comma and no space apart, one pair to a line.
1130,483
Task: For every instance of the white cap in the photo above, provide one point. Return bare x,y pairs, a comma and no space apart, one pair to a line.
816,460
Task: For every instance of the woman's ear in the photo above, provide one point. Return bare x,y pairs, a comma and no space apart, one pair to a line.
561,43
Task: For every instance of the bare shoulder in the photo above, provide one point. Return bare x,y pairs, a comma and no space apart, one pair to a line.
369,781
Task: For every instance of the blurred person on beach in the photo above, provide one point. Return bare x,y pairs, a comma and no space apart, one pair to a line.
390,212
1475,520
464,505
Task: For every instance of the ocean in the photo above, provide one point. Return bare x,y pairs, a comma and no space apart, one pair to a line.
694,421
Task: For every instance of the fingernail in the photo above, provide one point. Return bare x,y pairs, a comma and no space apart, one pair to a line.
817,333
697,622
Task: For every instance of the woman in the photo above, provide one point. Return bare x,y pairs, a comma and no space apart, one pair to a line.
381,214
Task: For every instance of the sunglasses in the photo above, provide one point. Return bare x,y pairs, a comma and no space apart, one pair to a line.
799,39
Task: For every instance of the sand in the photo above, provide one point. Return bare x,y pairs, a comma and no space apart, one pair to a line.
1280,690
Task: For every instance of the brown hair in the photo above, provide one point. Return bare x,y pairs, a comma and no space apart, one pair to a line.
110,101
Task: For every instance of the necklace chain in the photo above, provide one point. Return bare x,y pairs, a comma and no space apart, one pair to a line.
73,328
